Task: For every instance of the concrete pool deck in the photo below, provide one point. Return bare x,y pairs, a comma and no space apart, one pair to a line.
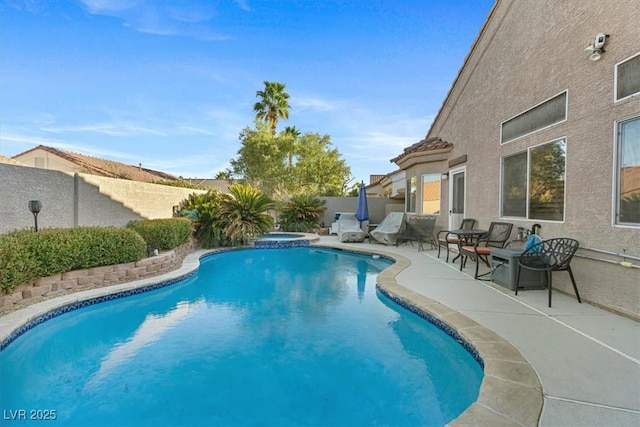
587,360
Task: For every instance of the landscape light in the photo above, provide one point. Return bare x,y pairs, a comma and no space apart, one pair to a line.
34,207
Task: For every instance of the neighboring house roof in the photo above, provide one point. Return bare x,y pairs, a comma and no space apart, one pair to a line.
219,184
431,191
427,144
9,161
107,168
374,179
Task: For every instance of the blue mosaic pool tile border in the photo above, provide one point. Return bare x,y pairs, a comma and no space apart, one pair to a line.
86,303
438,324
280,244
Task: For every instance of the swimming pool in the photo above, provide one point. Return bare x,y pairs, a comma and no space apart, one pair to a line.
280,236
284,240
284,337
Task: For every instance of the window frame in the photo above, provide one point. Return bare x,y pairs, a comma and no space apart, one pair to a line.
615,81
422,201
411,182
617,152
566,116
528,181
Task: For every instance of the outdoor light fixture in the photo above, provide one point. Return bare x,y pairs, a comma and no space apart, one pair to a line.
34,207
445,176
596,49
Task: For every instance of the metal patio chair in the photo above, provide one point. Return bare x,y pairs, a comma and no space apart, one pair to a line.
479,250
549,256
446,237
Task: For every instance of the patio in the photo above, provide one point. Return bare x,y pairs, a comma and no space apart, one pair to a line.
587,359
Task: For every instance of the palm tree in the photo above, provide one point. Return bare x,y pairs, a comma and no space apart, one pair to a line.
290,136
245,210
273,104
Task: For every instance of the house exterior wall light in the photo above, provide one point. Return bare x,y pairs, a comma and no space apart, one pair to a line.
35,206
596,49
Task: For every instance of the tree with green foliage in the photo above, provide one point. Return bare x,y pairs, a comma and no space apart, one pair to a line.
273,104
318,168
290,164
260,161
226,174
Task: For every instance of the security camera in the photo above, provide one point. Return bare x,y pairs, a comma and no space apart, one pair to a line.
599,42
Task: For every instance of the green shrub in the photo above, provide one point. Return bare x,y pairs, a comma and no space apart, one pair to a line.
26,255
167,233
301,213
209,223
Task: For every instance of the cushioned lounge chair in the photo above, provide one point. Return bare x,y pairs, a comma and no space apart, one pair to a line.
349,228
389,228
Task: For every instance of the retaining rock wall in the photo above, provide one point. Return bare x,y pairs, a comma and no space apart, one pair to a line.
77,280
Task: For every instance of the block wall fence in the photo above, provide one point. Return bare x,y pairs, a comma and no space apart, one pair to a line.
70,200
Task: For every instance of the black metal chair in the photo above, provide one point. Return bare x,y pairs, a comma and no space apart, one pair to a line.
418,229
496,237
446,237
549,256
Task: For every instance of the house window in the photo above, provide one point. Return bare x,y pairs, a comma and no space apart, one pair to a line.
628,77
411,194
628,171
533,183
431,194
541,116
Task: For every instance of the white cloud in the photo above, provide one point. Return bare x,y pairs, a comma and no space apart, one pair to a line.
318,104
242,4
189,19
18,143
111,129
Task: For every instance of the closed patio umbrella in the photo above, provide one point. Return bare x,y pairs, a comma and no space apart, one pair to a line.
362,213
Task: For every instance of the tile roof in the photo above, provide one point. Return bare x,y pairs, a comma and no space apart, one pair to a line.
108,168
9,160
427,144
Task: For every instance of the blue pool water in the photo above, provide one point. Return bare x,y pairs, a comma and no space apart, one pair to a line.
270,337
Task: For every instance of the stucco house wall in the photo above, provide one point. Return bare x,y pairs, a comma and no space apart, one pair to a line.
527,53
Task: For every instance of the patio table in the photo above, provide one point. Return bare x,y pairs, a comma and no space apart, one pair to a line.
466,237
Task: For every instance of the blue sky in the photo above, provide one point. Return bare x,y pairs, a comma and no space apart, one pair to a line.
170,84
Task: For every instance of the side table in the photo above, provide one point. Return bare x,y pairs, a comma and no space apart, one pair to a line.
504,271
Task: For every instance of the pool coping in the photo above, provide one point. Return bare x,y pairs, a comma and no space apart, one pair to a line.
510,392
